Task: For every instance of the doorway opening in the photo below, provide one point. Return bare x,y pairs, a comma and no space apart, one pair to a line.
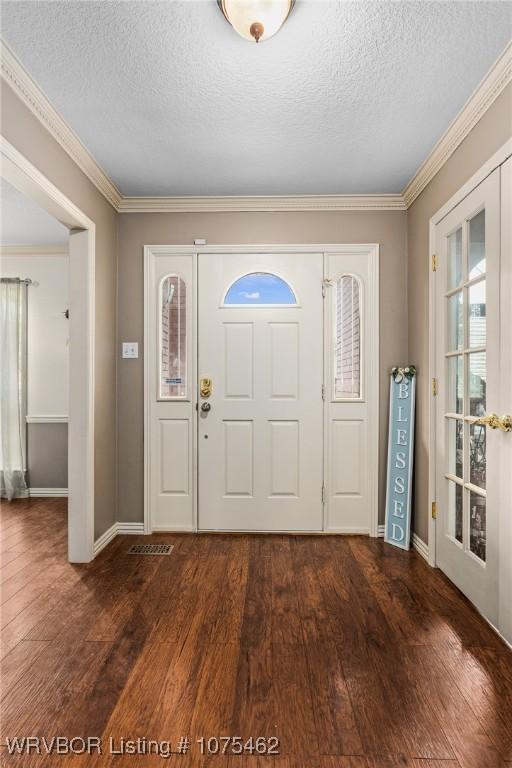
22,176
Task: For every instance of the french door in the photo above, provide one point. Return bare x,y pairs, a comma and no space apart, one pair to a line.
260,407
473,350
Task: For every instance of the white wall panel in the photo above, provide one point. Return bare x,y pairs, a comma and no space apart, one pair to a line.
284,458
238,446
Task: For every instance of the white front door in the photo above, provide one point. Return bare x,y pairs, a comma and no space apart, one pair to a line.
473,350
260,429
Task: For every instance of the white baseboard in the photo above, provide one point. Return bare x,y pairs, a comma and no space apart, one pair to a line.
417,543
380,531
348,531
173,529
420,546
105,539
130,528
36,492
115,530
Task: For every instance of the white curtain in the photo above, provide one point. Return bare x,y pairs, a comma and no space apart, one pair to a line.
13,388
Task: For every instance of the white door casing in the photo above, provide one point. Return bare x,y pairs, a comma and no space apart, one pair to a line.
467,341
173,504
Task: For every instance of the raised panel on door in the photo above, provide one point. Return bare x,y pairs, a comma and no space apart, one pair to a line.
347,457
174,456
238,458
284,458
284,360
238,356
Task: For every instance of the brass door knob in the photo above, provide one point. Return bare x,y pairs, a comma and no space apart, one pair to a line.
493,421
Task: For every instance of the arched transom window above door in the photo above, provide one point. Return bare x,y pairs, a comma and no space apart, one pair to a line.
260,289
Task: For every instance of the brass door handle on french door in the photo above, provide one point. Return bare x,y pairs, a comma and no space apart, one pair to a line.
494,422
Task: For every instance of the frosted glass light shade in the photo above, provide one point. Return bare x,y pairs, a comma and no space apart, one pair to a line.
256,20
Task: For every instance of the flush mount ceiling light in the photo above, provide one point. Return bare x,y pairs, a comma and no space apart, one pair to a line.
256,19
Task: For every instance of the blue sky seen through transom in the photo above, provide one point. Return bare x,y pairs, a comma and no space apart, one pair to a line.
260,288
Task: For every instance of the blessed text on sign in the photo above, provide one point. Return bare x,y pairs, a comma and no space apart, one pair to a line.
400,458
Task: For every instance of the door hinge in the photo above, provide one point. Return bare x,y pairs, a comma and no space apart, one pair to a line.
435,387
323,494
434,262
434,510
326,283
323,391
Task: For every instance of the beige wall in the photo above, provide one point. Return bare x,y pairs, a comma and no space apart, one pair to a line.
487,137
47,455
22,129
137,230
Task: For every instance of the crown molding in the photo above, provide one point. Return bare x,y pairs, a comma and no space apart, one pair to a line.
498,77
34,98
479,102
34,250
213,204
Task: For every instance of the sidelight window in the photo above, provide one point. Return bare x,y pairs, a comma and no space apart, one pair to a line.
173,338
347,338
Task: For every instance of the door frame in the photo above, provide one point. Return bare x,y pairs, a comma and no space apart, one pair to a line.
499,157
21,174
371,252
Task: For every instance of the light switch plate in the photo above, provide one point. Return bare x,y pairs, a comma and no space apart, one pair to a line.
130,349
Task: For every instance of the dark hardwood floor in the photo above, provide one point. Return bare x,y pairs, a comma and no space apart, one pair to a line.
352,653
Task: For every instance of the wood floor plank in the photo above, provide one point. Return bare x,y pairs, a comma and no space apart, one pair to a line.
334,716
294,717
15,664
407,762
254,706
213,707
313,613
44,687
31,591
411,619
257,622
465,732
431,588
286,624
485,679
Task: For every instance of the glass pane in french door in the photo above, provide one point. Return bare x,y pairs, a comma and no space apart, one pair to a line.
466,370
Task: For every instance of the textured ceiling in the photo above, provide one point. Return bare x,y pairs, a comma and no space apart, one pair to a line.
349,97
23,222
